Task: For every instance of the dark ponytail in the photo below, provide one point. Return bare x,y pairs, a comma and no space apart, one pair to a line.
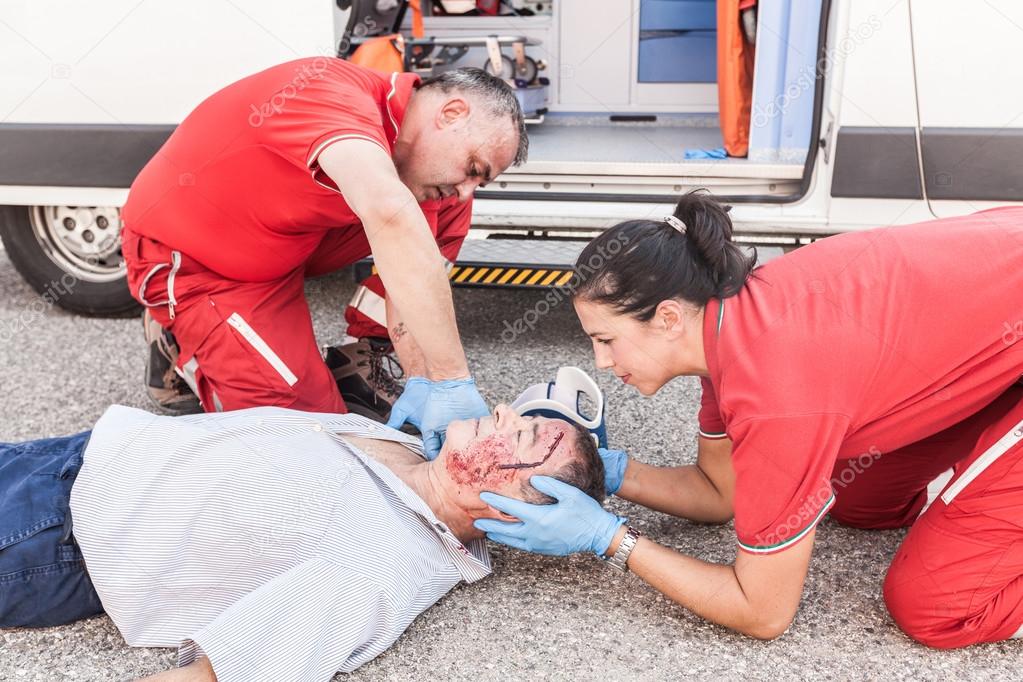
637,264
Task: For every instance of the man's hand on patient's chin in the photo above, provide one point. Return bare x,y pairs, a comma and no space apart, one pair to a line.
198,670
431,405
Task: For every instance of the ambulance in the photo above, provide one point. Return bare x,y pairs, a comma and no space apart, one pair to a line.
864,113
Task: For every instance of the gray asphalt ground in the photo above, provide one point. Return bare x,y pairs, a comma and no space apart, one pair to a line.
536,617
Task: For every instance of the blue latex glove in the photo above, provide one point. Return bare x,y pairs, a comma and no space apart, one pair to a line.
716,153
615,462
431,405
576,523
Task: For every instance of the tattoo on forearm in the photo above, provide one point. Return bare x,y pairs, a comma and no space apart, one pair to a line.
398,332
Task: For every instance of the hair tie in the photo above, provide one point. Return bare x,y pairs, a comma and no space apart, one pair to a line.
676,224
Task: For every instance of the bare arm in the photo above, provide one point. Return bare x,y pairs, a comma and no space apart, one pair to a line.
757,596
198,670
404,251
410,355
701,492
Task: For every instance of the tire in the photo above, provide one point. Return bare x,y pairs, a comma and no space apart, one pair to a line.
70,255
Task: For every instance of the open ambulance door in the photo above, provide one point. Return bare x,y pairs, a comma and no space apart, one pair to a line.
971,106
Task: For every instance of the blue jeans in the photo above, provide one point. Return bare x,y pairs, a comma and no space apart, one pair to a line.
43,581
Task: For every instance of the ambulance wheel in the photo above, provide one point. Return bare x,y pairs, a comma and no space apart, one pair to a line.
71,255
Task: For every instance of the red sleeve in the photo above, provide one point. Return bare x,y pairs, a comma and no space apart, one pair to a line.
449,221
783,467
451,227
711,424
322,105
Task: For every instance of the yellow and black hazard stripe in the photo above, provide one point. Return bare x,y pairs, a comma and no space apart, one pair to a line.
507,276
512,276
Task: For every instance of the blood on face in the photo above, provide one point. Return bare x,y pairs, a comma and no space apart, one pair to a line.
491,461
476,464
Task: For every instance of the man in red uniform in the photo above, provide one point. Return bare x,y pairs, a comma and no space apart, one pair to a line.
297,171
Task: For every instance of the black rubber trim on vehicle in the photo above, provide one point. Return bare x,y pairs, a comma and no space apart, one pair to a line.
804,186
876,162
633,118
580,196
973,163
77,155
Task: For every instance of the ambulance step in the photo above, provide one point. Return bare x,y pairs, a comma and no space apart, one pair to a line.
507,263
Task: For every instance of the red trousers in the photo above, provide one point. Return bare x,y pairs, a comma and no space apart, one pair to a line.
247,344
957,578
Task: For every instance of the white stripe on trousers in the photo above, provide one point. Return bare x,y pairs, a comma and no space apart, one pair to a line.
370,304
262,347
979,465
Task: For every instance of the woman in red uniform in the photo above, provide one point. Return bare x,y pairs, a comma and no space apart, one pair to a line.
873,375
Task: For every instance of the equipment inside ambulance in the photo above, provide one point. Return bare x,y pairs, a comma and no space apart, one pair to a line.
373,38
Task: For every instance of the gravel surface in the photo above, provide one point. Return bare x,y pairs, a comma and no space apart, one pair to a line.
536,617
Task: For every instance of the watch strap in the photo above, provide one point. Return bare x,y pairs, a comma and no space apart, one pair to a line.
619,561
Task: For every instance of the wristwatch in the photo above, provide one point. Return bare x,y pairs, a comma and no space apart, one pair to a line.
620,560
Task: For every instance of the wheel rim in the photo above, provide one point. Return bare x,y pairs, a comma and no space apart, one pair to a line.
82,240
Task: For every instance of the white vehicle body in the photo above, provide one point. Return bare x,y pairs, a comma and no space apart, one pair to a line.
914,116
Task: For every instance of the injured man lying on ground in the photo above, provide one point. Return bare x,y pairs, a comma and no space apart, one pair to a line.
267,544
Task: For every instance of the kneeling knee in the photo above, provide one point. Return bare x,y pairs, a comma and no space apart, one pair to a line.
925,616
908,608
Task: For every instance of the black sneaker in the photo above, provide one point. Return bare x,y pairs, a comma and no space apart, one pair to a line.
367,374
165,388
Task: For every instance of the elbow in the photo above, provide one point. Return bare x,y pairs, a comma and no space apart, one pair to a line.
767,622
722,517
766,632
768,628
722,513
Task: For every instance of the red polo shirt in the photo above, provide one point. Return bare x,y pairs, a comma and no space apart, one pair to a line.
237,186
857,345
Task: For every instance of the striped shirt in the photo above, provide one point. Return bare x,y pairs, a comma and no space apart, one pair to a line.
260,538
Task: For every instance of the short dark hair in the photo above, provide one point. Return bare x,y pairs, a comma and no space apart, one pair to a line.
637,264
585,471
498,96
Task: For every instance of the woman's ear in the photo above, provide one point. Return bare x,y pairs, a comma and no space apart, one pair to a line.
669,316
